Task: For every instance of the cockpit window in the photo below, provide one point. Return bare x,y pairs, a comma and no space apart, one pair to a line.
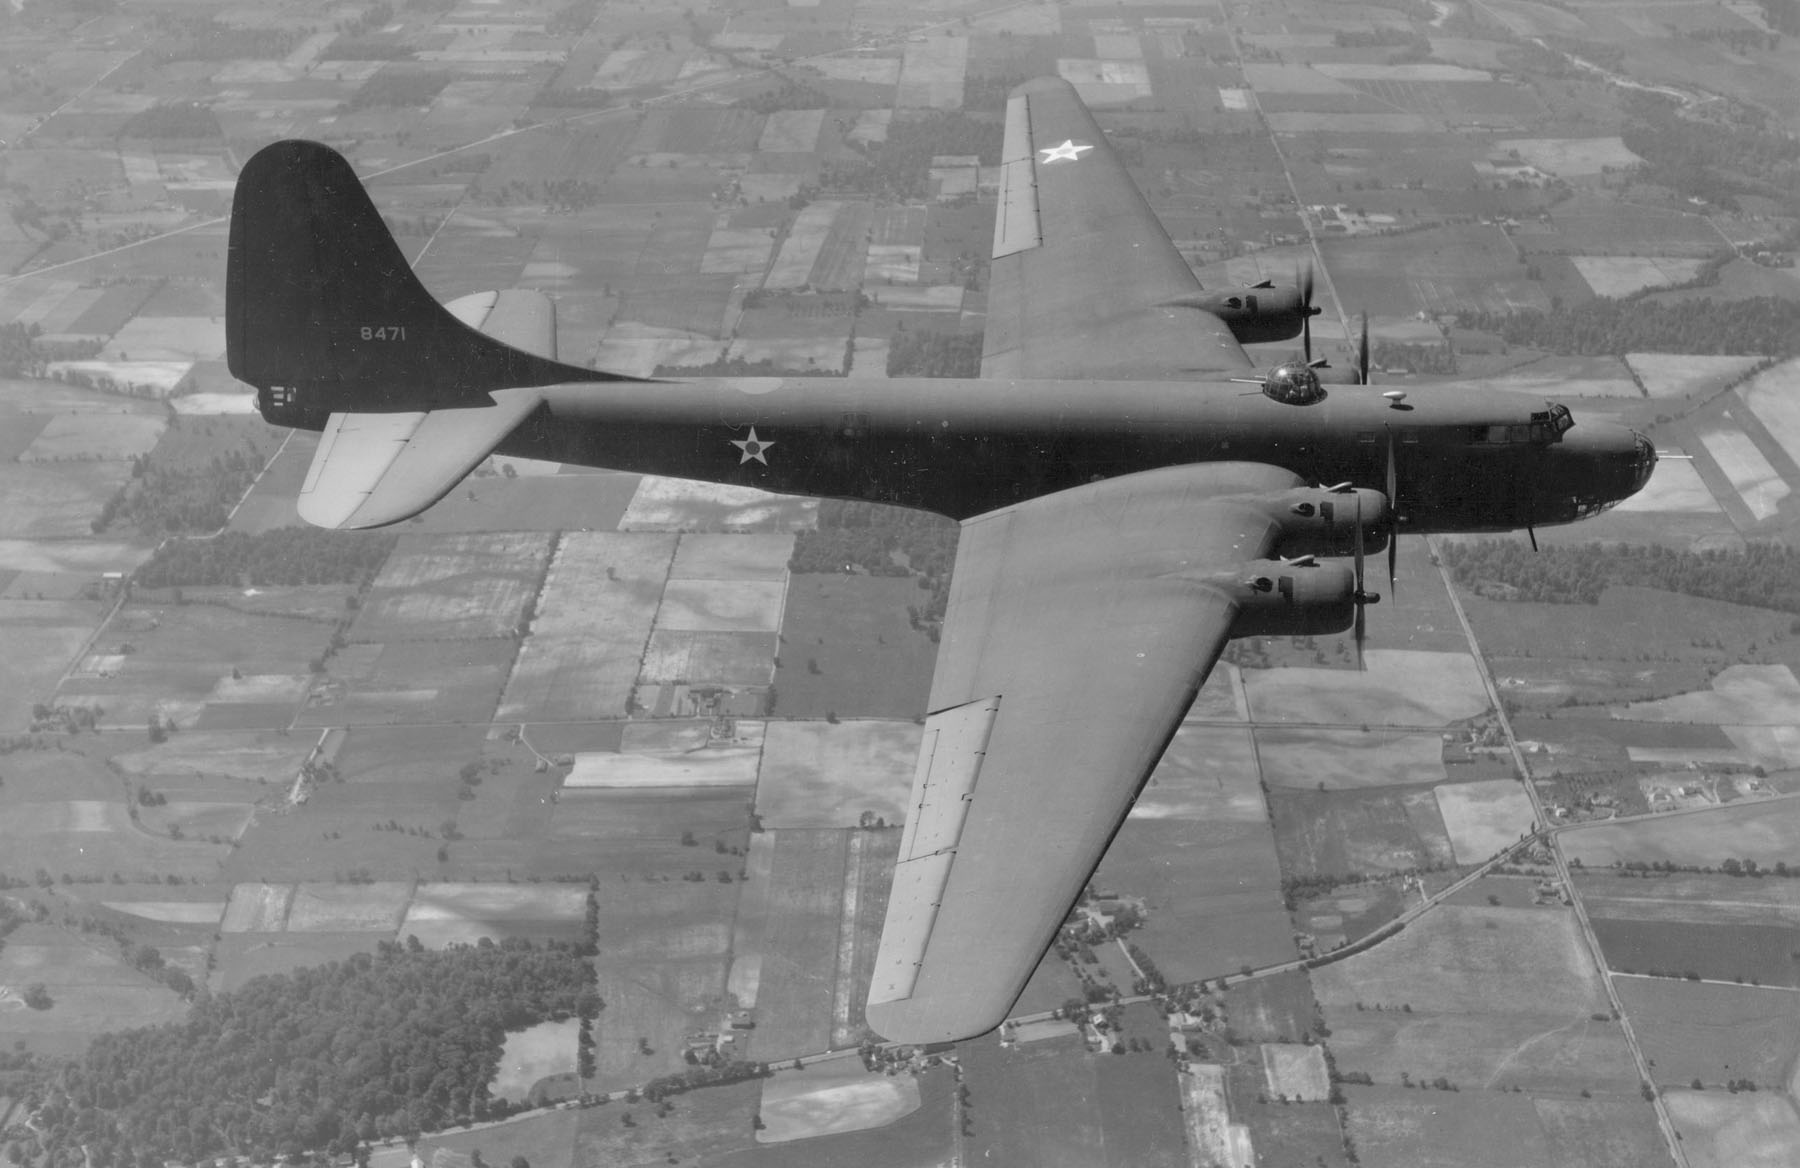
1293,383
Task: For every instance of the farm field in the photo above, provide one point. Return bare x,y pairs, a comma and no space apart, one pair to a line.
870,662
1392,1125
1400,688
413,681
1053,1104
90,986
593,620
1758,1130
919,1140
1198,849
800,949
180,657
668,505
1762,954
1348,759
825,1098
1359,831
1714,1033
1484,818
661,972
1628,624
1766,832
1483,996
823,774
1689,896
452,586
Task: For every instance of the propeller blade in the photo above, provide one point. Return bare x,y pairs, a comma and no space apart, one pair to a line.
1306,286
1393,494
1362,357
1306,336
1361,603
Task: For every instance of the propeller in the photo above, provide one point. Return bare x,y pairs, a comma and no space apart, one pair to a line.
1362,353
1303,280
1393,494
1364,597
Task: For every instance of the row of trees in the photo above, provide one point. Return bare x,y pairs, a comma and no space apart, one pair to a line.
286,555
899,169
1763,575
930,353
182,119
384,1044
1767,325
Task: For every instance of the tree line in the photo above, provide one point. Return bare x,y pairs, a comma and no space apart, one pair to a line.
930,353
899,169
286,555
172,500
1763,575
1604,326
387,1044
883,541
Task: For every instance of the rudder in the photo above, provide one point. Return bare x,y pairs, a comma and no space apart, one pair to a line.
323,313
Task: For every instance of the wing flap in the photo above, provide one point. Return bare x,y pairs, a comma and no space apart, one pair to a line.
1079,630
375,469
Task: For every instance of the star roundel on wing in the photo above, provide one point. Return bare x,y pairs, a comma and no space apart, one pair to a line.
1069,151
752,448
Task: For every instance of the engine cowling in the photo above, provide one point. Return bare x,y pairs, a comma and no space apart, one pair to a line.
1322,521
1290,598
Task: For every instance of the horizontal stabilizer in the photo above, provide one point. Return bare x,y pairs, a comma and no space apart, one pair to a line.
375,469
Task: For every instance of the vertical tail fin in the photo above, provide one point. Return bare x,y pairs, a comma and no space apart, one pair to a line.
323,312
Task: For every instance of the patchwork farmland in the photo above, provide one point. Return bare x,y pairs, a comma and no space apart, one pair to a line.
584,706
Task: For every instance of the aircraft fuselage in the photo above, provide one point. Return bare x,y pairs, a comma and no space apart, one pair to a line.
1464,459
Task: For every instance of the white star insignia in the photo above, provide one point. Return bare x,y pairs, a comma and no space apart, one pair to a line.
752,448
1070,150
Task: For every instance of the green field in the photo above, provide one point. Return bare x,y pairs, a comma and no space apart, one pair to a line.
1765,832
1340,759
1198,849
1392,1125
1272,1009
1761,954
1486,997
800,948
1358,831
823,774
91,986
1720,1130
661,971
450,586
1714,1033
847,648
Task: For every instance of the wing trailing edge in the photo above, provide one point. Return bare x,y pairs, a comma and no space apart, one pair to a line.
374,469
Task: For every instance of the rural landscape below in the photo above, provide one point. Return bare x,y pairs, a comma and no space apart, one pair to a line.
554,827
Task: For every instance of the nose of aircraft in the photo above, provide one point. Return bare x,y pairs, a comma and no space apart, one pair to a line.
1604,462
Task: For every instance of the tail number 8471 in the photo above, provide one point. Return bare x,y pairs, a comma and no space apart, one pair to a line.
389,332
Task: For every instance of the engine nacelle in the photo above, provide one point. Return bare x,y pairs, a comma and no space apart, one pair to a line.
1285,598
1255,315
1321,521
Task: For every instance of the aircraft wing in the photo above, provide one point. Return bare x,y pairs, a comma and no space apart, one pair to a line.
1083,271
1077,634
373,469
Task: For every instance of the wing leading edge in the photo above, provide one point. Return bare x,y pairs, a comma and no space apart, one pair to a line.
1083,273
1080,627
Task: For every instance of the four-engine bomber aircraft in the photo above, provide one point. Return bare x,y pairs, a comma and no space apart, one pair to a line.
1125,505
